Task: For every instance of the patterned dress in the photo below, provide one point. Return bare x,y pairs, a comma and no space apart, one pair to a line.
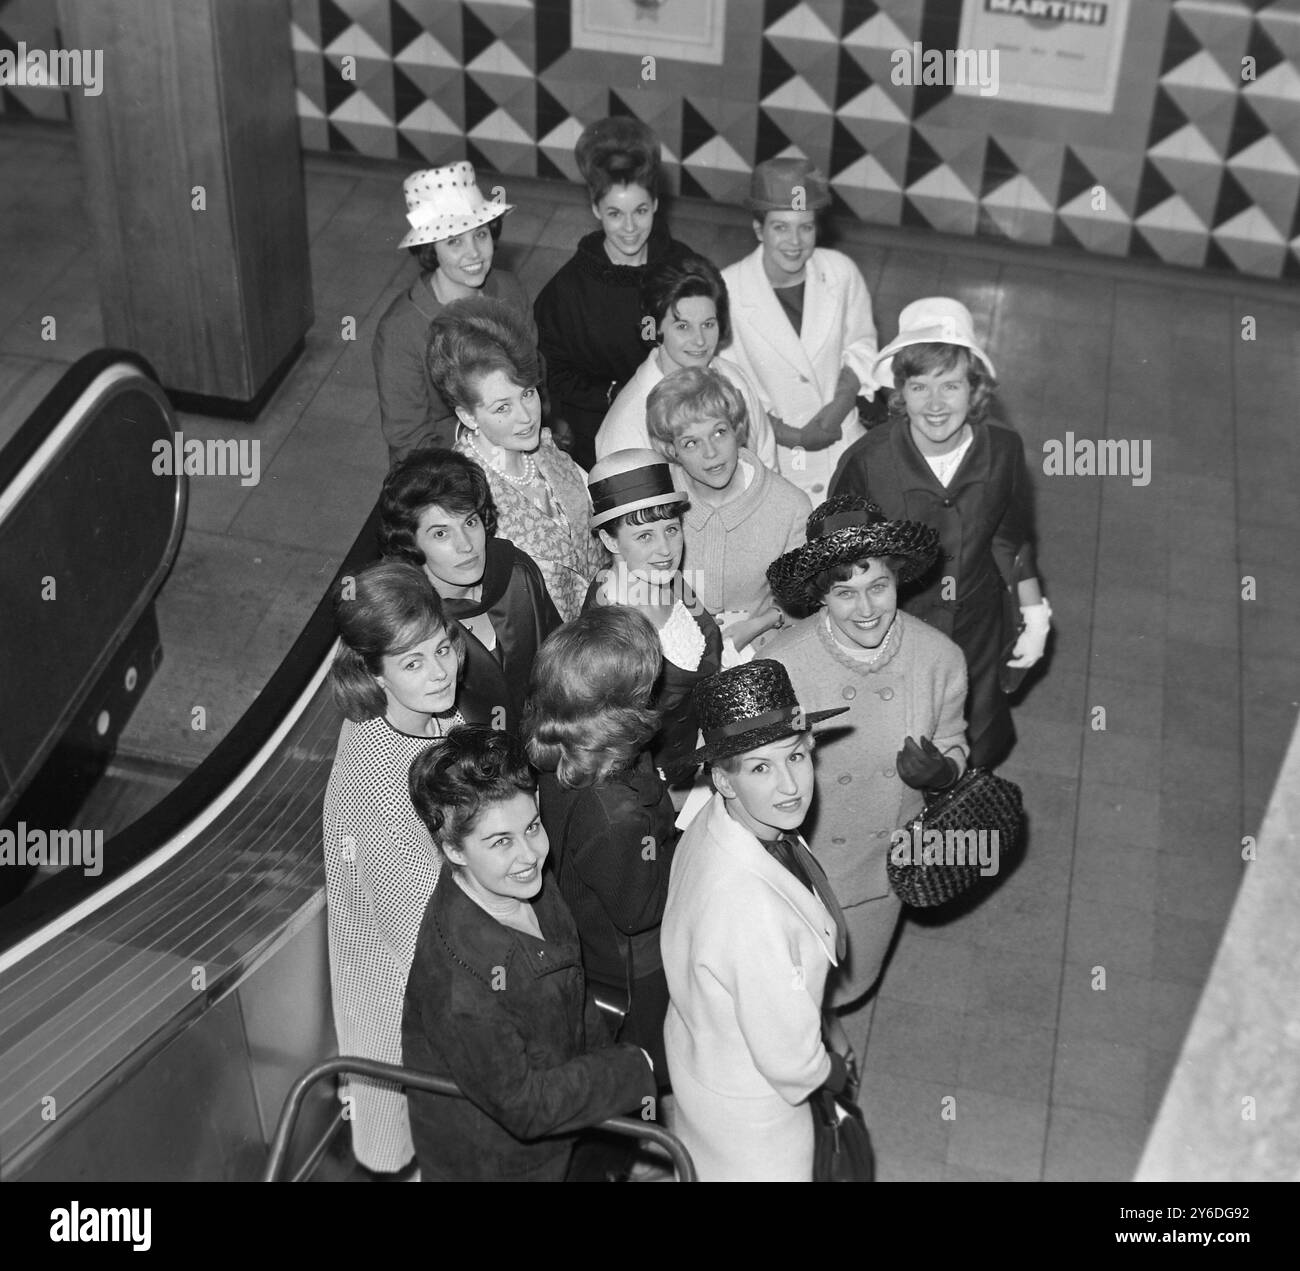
380,870
564,547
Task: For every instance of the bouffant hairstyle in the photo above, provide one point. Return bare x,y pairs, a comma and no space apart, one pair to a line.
427,253
383,610
688,396
454,782
925,359
619,150
588,712
677,279
818,586
425,478
473,337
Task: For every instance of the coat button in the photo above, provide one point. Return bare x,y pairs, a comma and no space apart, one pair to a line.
886,772
845,779
803,379
818,488
947,503
839,841
850,693
886,694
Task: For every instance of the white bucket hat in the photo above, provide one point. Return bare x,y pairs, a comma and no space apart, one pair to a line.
444,202
934,320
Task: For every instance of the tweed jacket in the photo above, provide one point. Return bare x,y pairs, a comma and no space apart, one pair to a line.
919,691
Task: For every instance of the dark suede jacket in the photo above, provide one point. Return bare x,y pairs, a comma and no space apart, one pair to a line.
502,1014
522,614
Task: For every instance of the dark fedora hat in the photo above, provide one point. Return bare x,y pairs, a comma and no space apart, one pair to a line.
749,706
843,530
784,185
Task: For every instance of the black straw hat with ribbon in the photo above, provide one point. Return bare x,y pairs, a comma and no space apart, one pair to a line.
843,531
749,706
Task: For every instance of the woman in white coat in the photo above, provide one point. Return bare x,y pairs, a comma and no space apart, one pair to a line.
802,325
750,929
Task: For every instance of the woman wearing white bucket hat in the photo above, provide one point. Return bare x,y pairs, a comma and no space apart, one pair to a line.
940,462
453,235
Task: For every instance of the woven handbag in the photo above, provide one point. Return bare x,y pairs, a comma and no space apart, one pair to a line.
841,1145
980,820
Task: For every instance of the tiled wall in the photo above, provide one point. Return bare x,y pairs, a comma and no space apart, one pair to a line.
1200,168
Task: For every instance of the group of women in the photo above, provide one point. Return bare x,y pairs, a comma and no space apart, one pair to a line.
527,673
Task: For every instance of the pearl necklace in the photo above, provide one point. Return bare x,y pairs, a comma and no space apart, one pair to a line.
530,466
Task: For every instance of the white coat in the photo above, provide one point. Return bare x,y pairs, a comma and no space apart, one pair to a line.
796,374
746,950
624,427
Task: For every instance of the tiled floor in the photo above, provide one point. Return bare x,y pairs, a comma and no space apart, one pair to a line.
995,1051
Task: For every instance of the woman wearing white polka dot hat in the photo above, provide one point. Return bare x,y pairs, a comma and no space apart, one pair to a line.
453,234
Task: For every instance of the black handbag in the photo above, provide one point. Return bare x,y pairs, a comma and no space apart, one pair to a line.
980,819
841,1145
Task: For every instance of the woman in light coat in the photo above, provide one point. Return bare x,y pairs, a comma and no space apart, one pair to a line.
802,324
751,927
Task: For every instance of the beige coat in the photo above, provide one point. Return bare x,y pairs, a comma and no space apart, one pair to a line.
746,951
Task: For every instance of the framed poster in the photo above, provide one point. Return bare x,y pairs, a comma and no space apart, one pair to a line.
1050,52
685,30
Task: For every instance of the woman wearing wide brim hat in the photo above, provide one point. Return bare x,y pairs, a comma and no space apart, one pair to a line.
453,234
637,512
940,461
751,928
589,314
907,684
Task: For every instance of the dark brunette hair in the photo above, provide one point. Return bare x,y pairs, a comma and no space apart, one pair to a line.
473,337
425,478
680,278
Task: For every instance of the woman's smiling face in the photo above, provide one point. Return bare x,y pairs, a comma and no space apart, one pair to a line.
502,853
862,607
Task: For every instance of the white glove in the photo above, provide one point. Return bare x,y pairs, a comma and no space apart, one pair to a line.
1033,639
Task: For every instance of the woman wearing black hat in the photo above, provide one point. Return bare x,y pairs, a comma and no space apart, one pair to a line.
907,684
589,314
751,927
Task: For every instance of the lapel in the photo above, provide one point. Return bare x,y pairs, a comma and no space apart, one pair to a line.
821,296
747,853
765,317
915,474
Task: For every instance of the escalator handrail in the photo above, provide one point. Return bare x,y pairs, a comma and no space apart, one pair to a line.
628,1127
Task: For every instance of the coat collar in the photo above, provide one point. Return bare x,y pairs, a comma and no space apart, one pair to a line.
915,474
498,570
741,508
767,319
747,853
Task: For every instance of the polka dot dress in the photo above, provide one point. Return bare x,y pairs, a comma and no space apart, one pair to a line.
380,870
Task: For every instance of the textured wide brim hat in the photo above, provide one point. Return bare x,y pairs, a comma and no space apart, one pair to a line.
787,185
627,481
749,706
934,320
444,202
842,531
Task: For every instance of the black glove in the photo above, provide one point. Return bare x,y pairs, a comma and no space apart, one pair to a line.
923,767
838,1077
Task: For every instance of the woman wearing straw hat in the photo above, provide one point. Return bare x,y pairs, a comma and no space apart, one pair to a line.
453,235
803,326
751,927
908,686
483,361
589,314
940,462
638,513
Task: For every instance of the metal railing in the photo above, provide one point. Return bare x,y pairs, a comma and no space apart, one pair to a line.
627,1127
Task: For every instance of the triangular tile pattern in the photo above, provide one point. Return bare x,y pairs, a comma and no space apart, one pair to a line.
1213,178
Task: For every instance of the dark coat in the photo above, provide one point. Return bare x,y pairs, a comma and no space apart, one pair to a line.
672,747
589,331
503,1014
522,614
985,522
612,851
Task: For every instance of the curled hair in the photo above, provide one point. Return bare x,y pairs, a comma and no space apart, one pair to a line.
473,337
454,782
427,255
619,150
425,478
680,278
646,516
818,586
925,359
384,610
686,397
588,712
